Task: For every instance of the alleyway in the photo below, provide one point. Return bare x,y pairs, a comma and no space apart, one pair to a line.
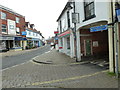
56,70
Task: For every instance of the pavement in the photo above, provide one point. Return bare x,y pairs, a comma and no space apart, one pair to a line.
55,57
57,70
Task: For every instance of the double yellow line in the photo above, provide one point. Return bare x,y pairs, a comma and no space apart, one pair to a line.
66,79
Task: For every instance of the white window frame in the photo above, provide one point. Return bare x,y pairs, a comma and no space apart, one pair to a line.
17,20
3,15
4,28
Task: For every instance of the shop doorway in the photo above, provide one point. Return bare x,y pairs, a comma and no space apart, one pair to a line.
88,47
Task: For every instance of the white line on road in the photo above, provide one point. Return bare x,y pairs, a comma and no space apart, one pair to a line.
15,66
20,64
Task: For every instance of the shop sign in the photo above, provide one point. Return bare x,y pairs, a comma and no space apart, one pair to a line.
56,32
6,38
99,28
24,33
56,38
19,38
64,34
118,14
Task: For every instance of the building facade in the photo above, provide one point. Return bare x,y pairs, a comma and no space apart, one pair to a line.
34,37
66,37
91,34
11,28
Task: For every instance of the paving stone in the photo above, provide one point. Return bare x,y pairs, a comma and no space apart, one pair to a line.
63,73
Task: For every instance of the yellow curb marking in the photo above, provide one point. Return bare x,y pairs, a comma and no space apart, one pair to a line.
66,79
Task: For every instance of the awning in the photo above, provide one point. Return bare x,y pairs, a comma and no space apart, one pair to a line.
67,33
19,38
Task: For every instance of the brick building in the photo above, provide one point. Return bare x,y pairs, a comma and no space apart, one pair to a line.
12,27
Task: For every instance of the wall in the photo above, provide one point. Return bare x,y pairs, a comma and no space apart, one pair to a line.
101,37
101,12
12,16
31,35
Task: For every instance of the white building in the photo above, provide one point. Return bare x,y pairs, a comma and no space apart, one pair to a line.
34,37
93,37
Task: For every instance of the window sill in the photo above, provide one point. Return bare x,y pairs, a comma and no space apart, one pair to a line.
91,17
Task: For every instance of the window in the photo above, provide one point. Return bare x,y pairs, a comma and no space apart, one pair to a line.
3,15
89,9
60,26
68,42
18,30
4,28
17,20
68,19
29,33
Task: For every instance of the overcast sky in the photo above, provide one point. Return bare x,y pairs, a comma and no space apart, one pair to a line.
42,13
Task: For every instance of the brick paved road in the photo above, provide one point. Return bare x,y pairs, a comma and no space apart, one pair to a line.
58,75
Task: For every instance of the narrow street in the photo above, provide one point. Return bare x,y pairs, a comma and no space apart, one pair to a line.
16,59
62,72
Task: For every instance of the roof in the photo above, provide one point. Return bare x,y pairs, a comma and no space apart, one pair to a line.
10,10
65,8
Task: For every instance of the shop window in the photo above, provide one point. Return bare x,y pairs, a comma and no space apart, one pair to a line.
17,20
61,42
3,15
60,27
89,9
4,28
18,30
68,43
17,43
2,45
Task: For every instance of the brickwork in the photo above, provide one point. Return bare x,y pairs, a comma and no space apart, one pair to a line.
101,37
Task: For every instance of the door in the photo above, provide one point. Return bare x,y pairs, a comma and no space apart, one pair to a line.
88,47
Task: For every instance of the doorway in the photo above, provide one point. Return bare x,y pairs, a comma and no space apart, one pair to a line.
88,47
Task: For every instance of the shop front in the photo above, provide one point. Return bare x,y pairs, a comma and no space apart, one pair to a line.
66,44
6,43
19,43
32,43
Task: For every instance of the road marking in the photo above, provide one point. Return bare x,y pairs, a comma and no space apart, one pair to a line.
66,79
14,66
19,64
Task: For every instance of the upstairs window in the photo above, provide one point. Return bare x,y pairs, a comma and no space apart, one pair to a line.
4,28
3,15
89,9
17,20
60,26
68,19
18,30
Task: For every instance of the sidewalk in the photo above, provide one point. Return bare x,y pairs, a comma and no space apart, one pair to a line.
55,57
57,71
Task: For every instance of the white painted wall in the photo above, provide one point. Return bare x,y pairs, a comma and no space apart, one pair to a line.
33,36
101,12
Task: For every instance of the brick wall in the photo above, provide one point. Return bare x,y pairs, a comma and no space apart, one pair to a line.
101,37
12,16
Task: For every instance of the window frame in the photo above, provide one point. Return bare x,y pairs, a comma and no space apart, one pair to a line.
68,19
17,20
89,8
4,28
2,16
17,32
